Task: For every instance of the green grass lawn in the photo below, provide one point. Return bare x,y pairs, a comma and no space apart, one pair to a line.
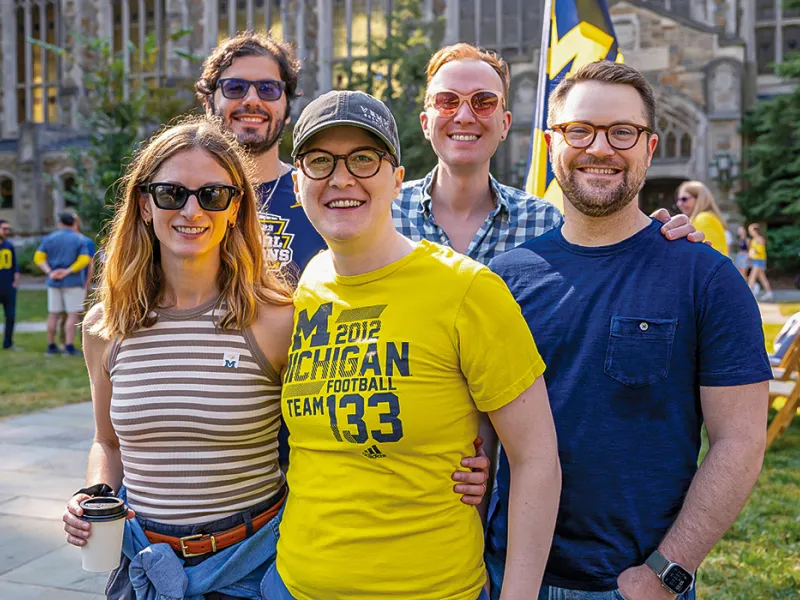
758,559
31,381
31,305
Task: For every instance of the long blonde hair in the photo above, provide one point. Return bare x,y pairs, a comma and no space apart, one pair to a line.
704,201
132,282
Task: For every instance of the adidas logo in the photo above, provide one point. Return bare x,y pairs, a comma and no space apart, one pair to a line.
373,452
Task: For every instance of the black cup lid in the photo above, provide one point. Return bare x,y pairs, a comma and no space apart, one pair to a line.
103,508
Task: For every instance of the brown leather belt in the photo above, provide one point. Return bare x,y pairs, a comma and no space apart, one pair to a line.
203,543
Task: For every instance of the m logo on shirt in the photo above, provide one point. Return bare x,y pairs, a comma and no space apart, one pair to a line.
230,360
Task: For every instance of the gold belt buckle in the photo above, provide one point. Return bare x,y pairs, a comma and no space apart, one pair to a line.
185,550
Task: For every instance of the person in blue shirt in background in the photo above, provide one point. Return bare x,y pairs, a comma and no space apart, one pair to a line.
644,340
62,256
87,275
9,280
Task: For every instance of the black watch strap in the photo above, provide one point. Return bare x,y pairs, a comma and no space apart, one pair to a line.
98,489
658,562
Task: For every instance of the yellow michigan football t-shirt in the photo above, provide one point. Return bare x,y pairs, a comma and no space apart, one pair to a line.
387,374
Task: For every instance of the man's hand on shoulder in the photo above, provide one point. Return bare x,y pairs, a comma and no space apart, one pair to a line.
641,583
677,227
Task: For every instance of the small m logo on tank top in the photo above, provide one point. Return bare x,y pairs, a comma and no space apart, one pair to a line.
230,360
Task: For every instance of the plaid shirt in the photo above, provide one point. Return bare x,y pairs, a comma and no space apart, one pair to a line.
517,218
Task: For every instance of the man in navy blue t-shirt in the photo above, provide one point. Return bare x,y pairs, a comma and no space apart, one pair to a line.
9,279
249,82
644,340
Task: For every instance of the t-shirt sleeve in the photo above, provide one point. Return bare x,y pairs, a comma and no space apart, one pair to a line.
731,348
496,349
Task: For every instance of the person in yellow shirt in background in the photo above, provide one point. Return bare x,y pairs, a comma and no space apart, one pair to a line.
758,261
742,258
696,202
398,347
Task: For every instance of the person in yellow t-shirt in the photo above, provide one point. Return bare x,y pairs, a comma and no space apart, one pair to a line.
398,347
694,199
758,261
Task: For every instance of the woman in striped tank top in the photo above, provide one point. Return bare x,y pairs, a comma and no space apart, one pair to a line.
185,351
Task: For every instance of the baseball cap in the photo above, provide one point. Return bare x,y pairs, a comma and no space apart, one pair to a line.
346,107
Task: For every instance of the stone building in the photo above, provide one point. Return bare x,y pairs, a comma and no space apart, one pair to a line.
707,60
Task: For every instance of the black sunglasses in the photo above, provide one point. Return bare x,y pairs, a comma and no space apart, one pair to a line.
267,89
361,162
171,196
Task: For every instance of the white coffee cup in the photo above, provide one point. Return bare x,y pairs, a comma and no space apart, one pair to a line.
103,549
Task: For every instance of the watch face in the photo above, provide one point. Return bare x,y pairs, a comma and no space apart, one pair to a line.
677,579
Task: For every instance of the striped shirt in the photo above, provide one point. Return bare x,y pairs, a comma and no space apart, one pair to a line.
517,218
196,410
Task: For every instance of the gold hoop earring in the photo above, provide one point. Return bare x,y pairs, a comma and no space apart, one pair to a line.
231,224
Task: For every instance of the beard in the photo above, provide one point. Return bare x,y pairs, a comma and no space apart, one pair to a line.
599,198
249,138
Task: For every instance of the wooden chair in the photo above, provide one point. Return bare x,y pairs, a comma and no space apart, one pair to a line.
787,369
785,383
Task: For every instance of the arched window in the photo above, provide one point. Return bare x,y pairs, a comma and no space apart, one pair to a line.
674,130
68,185
670,150
6,192
686,146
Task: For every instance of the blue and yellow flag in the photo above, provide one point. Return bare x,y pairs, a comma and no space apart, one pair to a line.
574,33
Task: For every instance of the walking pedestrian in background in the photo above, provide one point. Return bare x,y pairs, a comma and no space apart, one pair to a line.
742,259
758,262
9,280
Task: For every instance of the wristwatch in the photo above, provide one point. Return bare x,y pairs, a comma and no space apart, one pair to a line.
674,577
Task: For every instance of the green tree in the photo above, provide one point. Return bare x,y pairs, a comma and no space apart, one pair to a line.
119,111
771,174
396,75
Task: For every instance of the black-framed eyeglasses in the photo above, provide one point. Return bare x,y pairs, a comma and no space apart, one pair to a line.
360,162
269,90
171,196
620,136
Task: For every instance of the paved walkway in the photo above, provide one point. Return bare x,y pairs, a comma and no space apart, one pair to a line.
43,463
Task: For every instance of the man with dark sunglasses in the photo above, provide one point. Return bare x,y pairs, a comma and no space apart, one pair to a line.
250,81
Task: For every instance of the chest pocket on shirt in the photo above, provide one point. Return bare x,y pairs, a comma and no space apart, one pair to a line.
639,350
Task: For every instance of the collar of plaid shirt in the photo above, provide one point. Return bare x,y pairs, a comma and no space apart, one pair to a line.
517,217
500,199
